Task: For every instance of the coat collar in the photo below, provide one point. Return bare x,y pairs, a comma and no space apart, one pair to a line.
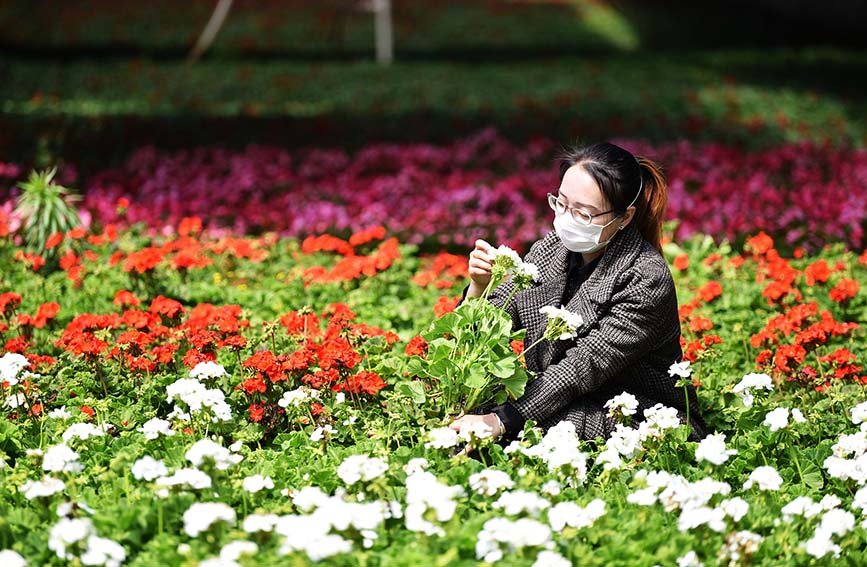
553,260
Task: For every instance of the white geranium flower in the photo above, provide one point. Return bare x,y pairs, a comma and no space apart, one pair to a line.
66,533
680,369
765,477
507,258
777,419
859,414
551,559
193,478
320,432
490,481
60,413
60,458
361,467
689,560
425,493
103,551
255,523
521,501
735,508
442,438
83,431
751,383
625,440
477,429
235,549
293,398
207,370
624,404
147,468
570,514
11,364
739,545
42,488
201,515
257,482
9,558
713,449
155,427
501,535
415,465
206,450
562,323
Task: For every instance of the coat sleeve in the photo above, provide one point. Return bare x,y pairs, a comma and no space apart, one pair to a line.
641,315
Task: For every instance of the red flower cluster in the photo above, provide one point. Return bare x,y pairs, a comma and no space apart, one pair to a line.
442,271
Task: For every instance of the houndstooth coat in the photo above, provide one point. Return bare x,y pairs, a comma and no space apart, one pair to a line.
629,338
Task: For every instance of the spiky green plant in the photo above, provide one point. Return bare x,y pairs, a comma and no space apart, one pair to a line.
44,207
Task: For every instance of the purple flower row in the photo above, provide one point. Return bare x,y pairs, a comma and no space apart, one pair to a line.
481,186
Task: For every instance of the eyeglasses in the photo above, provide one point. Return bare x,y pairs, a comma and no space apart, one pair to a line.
581,216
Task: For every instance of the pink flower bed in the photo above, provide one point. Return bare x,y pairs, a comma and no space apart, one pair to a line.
481,186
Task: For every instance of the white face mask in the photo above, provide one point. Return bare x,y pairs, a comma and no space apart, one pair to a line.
579,237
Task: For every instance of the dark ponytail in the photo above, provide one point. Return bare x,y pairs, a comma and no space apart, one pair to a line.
620,175
652,204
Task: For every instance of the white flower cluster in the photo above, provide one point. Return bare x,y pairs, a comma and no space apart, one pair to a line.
59,413
257,482
60,458
197,397
205,450
779,418
680,369
751,383
202,515
739,547
571,514
191,478
417,464
207,370
425,493
627,442
521,502
834,522
442,438
490,481
523,273
230,553
84,431
501,534
674,492
311,533
11,365
155,427
562,323
147,468
42,488
622,405
298,396
848,459
859,415
320,432
70,535
560,450
10,558
361,467
713,449
765,477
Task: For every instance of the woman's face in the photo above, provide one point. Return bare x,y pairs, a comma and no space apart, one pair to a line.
580,191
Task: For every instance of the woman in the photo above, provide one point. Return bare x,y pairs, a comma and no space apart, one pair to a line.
602,260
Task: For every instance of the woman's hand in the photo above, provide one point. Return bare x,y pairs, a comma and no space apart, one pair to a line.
481,261
489,419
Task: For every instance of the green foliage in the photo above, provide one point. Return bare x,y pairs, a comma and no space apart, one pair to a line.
46,209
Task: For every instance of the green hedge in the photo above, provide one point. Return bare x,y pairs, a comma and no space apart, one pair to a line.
750,97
